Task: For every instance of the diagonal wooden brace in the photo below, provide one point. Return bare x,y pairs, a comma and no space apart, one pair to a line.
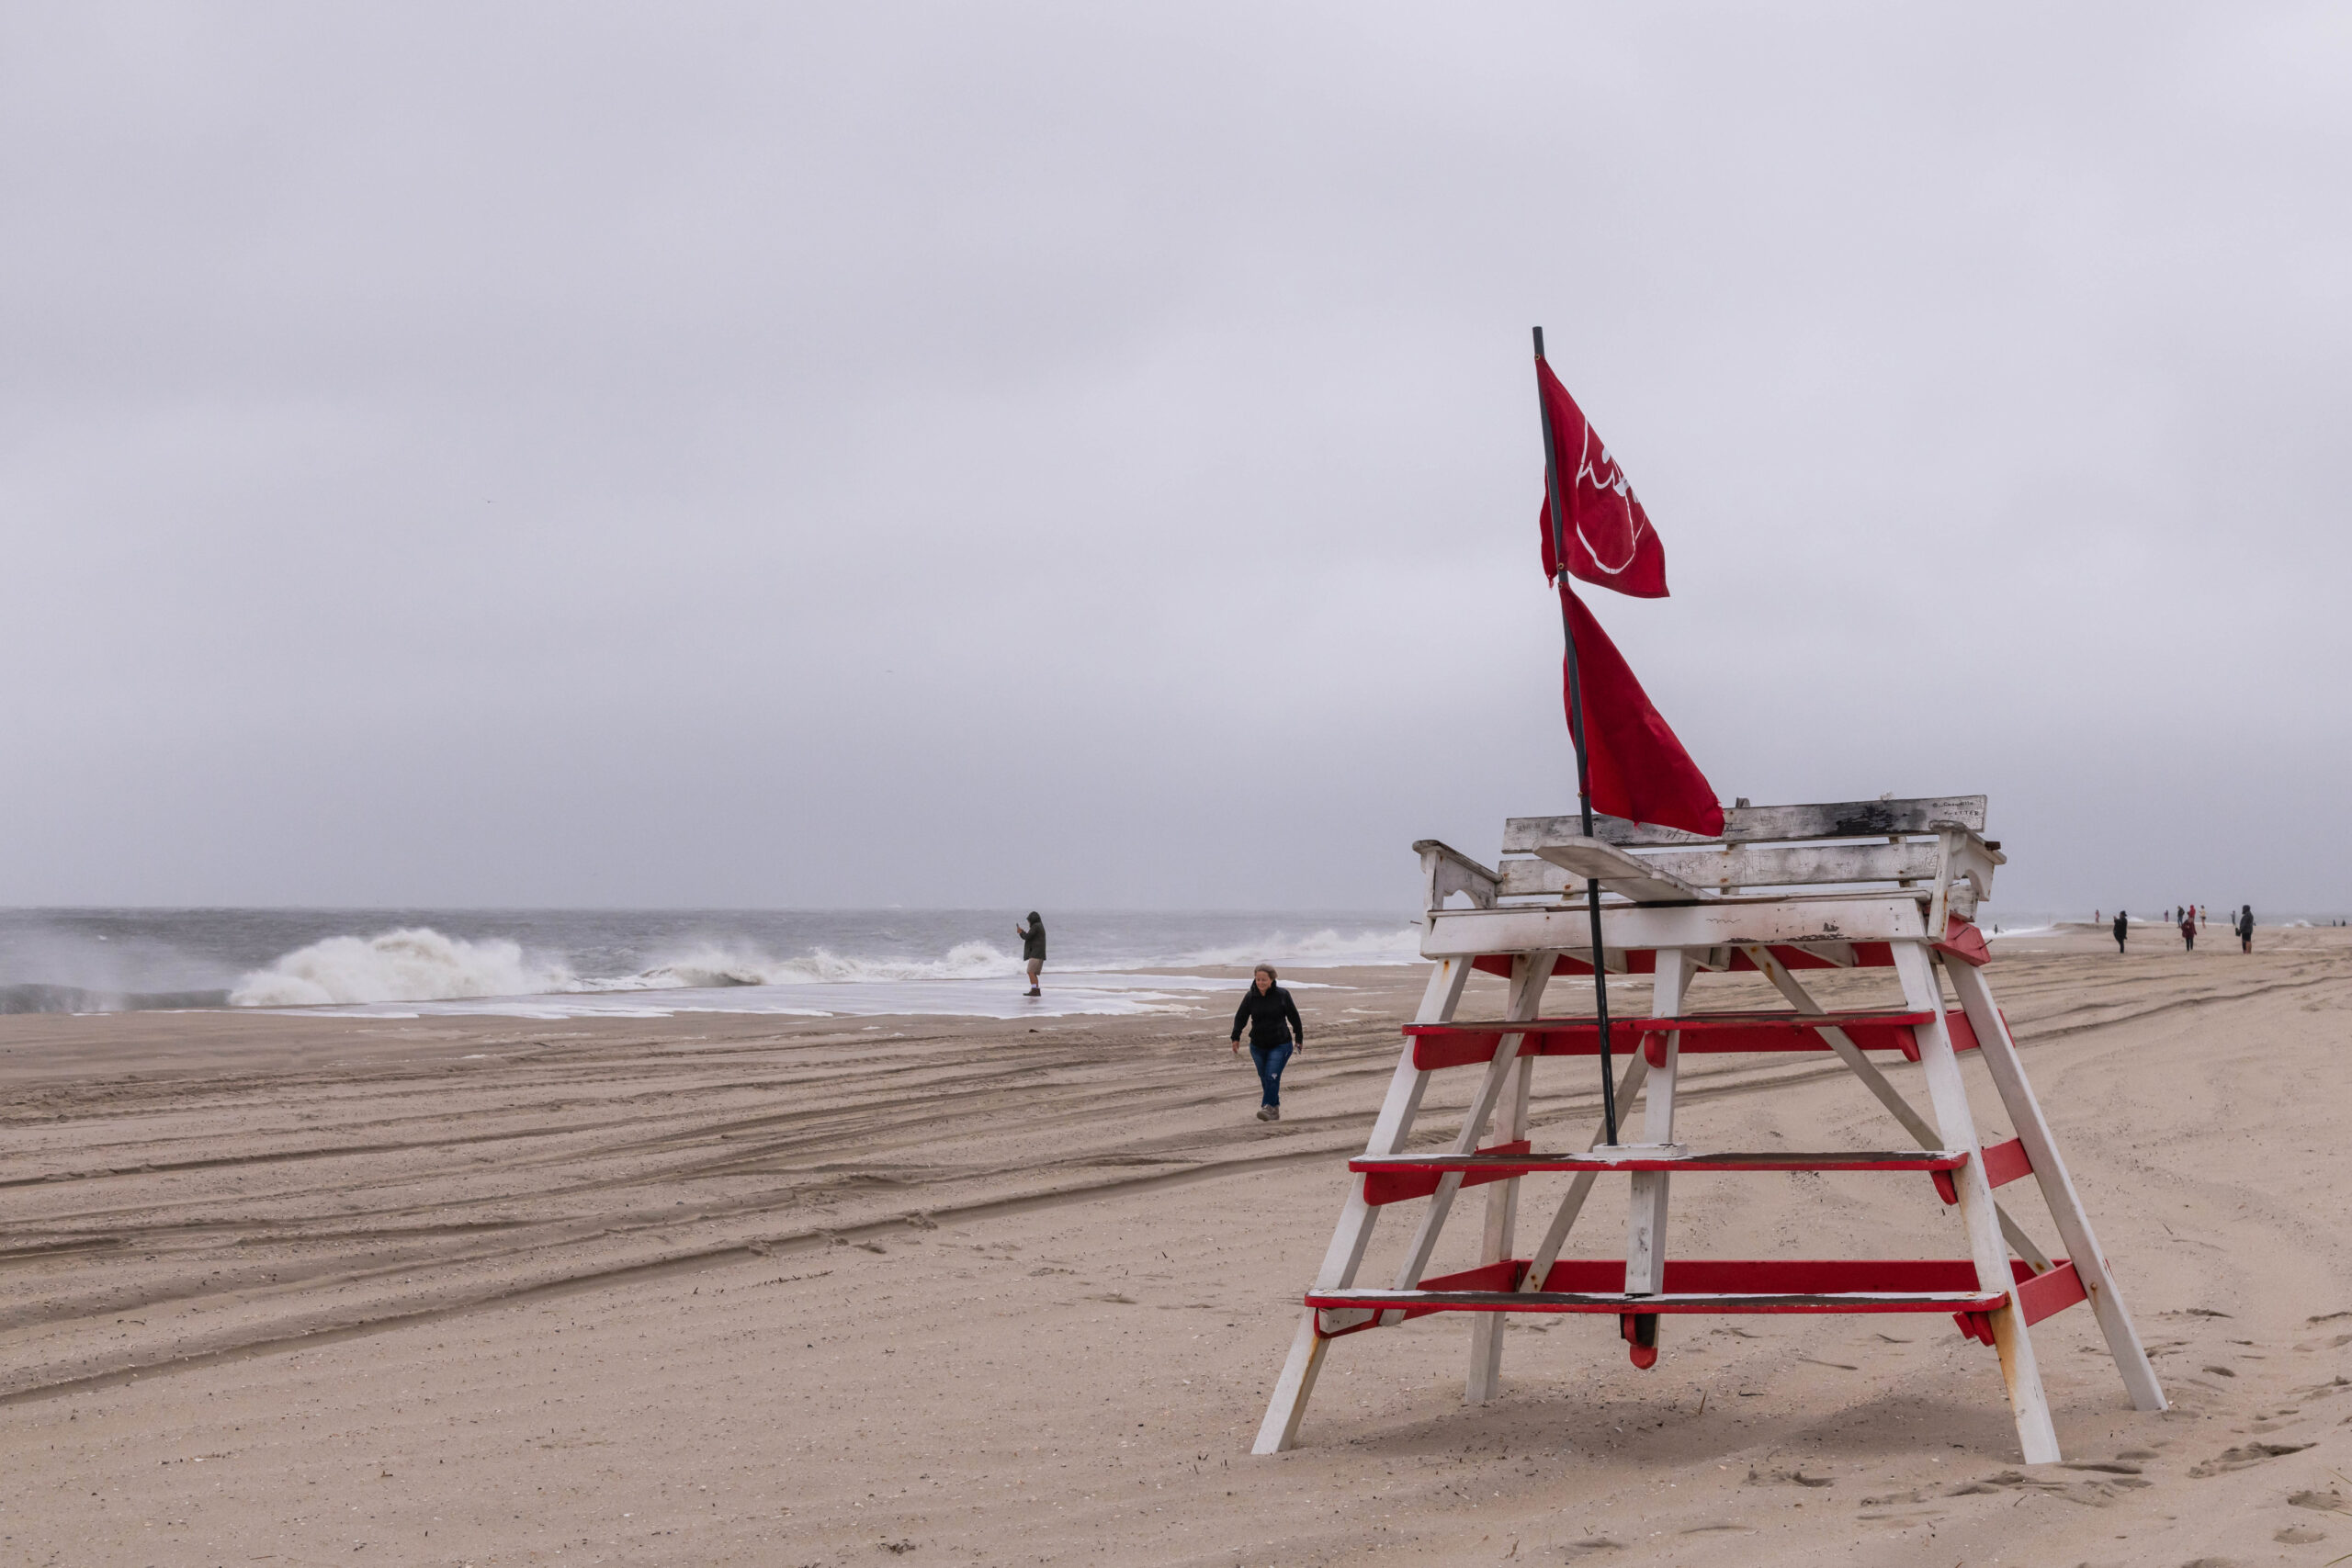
1887,1095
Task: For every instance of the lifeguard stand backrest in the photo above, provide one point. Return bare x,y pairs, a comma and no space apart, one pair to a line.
1906,842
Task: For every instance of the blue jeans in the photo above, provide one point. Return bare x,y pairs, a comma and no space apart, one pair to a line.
1271,1060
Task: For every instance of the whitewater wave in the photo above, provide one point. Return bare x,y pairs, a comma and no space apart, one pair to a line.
414,965
712,967
1327,946
417,964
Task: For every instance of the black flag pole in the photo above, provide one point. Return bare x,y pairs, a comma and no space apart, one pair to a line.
1576,733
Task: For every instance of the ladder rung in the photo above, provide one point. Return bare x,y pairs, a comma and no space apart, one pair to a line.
1439,1046
1415,1303
1495,1165
1691,1285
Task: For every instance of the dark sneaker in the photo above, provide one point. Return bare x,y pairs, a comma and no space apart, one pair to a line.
1265,1113
1273,1113
1035,992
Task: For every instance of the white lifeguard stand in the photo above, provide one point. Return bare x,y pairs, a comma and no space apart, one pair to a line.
1879,883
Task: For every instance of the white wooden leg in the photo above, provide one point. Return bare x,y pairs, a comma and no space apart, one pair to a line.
1875,1081
1296,1385
2066,1210
1948,1092
1645,1218
1495,1244
1564,1219
1525,998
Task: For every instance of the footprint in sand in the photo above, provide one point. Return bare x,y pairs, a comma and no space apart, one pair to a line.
2246,1454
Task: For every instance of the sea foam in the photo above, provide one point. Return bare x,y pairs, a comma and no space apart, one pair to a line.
416,964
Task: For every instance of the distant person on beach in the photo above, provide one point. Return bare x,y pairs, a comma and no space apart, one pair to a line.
2188,930
1033,949
2245,928
1274,1033
2123,928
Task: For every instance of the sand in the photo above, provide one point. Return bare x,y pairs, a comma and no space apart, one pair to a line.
736,1290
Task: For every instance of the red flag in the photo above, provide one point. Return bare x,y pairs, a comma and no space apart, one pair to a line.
1610,540
1639,769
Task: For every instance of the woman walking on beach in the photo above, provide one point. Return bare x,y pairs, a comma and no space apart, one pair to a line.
1033,949
2188,930
2245,928
2123,928
1274,1033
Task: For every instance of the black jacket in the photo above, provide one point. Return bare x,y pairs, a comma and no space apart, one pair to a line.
1272,1016
1032,941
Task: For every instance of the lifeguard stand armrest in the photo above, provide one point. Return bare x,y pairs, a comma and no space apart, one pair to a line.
1446,871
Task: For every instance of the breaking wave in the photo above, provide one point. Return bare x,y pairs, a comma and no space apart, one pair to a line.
718,966
414,965
1402,945
418,964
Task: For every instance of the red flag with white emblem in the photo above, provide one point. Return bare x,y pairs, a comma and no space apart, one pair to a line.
1609,541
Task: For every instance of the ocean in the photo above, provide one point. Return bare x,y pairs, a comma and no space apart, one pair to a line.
577,963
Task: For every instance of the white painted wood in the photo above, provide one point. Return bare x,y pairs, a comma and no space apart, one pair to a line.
1522,834
1863,1067
1497,1302
1739,866
1446,871
1495,1243
1564,1219
1628,876
1892,916
1764,824
1645,1215
1529,972
2066,1210
1294,1385
1948,1092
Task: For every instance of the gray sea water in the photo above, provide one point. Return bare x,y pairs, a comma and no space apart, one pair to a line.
570,963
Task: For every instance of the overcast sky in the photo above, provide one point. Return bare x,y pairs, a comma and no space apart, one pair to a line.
1023,455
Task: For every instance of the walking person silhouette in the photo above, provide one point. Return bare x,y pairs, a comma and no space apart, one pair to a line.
1274,1033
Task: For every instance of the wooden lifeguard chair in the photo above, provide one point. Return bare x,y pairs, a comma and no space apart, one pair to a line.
1868,884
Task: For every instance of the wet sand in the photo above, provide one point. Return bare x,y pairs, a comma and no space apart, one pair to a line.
747,1290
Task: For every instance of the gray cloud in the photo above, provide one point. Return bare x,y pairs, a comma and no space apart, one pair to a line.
1030,455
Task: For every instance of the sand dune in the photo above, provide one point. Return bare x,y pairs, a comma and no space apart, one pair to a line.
750,1290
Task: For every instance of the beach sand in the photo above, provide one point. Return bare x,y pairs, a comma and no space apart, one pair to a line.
746,1290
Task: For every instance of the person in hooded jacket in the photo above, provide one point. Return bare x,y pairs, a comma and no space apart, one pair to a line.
1275,1033
2245,928
2122,928
1033,949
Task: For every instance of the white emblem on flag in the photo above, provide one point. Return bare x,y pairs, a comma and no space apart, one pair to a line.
1607,477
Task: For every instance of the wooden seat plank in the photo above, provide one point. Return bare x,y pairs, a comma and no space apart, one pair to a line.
1627,875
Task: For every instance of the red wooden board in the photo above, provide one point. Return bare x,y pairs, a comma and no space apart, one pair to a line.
1440,1045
